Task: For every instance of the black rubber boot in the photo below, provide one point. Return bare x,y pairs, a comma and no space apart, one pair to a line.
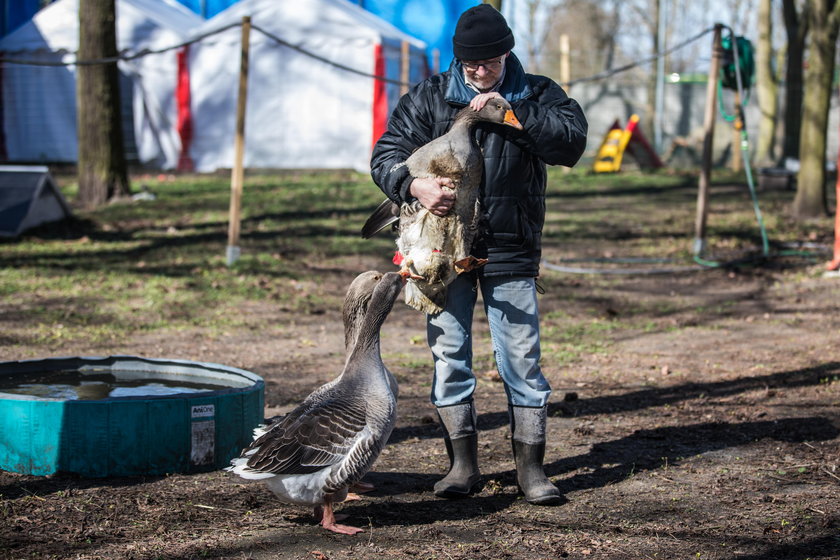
530,476
528,439
463,474
461,439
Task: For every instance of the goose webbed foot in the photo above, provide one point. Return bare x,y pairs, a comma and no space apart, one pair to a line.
469,263
327,518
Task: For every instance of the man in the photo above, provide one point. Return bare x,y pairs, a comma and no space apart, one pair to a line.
513,202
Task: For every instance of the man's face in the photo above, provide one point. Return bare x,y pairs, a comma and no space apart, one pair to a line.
484,73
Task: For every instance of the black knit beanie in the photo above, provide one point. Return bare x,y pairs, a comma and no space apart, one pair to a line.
481,33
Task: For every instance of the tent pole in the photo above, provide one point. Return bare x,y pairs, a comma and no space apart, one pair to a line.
238,172
709,131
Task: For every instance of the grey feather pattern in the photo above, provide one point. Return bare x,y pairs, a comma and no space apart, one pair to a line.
310,437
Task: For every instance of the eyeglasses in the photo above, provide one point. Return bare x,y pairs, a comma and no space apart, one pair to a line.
489,65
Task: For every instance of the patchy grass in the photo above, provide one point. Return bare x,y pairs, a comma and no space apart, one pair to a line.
131,267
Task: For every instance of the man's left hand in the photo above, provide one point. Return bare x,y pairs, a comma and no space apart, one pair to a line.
481,99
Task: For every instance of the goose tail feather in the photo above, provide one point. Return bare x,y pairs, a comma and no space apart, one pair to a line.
240,466
385,214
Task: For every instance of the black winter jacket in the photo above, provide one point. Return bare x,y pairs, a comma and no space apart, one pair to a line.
513,187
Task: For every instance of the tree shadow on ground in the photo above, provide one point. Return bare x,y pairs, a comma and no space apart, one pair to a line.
613,461
646,398
63,482
824,544
646,450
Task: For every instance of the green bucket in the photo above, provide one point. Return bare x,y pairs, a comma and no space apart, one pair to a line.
124,415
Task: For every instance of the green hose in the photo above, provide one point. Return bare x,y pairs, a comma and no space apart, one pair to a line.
739,120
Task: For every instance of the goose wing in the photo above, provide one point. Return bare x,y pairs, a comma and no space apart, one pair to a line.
309,440
385,214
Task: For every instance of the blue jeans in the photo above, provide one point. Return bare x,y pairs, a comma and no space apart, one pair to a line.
511,307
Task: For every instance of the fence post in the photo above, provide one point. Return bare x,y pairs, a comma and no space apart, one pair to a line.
565,65
238,172
708,135
404,66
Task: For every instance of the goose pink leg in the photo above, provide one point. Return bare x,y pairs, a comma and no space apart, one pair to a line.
328,519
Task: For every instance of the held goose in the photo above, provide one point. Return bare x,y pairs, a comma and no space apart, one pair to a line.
325,445
433,250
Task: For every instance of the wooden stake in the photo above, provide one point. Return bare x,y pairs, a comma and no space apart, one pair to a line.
709,131
238,171
404,66
565,65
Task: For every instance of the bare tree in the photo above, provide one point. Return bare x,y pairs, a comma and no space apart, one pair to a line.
824,22
796,27
767,85
591,27
102,170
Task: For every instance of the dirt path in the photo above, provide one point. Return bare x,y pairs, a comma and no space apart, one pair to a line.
707,427
695,414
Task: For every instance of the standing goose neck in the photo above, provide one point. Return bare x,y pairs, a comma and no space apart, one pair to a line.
353,314
381,302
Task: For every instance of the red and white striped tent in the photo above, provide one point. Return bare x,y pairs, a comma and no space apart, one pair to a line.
38,102
303,111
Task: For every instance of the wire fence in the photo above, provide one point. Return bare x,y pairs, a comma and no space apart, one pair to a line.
127,56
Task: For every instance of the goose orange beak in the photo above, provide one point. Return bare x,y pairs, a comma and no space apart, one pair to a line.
511,120
408,275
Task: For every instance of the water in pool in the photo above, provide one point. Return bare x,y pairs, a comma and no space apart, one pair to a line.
75,385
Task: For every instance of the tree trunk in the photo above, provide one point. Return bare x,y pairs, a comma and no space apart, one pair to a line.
796,26
102,170
810,201
766,86
649,120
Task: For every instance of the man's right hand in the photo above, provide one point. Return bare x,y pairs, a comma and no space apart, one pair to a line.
432,196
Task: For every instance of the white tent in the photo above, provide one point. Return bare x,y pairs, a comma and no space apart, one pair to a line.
302,112
39,102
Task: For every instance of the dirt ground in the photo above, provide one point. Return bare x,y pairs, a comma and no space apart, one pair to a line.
709,430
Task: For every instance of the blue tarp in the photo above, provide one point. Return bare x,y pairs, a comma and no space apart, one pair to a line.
17,12
432,21
207,8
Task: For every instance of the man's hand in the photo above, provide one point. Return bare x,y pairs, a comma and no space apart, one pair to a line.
432,196
481,100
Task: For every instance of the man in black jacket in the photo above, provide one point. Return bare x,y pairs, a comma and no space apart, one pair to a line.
513,202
